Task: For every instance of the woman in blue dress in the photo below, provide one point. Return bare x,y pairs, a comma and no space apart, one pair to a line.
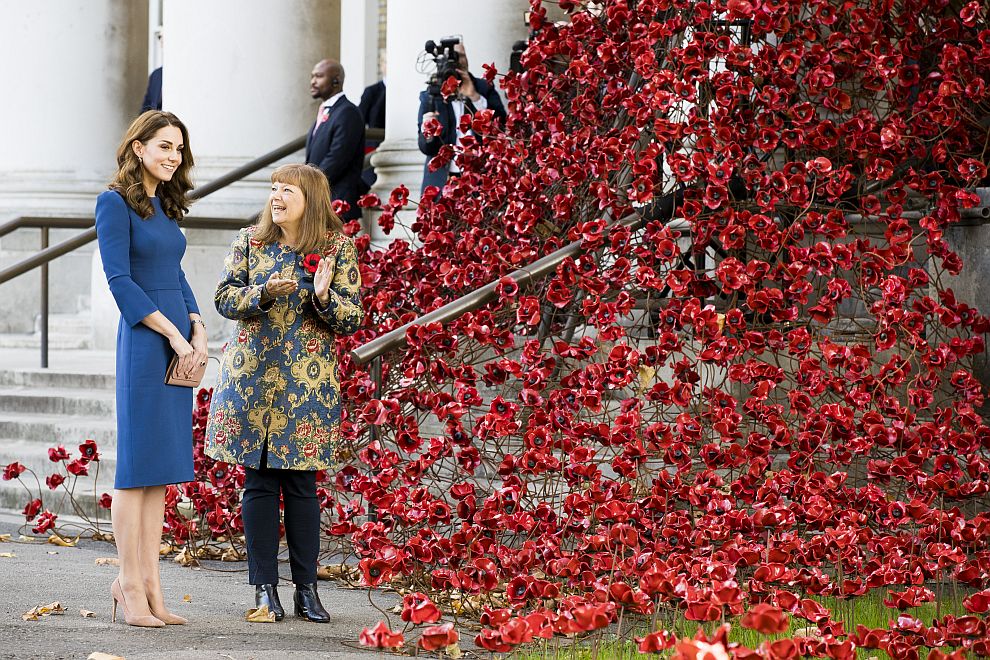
293,285
141,246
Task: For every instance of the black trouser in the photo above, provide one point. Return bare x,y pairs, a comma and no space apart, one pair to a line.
260,509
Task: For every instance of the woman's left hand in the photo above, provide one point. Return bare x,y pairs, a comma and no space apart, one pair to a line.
322,279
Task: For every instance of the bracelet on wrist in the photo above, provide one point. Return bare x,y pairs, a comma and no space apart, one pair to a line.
199,321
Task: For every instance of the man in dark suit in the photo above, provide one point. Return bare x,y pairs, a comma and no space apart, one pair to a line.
473,95
335,142
373,105
372,108
153,94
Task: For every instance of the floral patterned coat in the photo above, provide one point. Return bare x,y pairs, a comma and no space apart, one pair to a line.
278,376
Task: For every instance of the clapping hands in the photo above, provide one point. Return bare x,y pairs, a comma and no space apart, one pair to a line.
322,280
277,286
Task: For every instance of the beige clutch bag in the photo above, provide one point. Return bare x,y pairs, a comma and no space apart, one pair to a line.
172,378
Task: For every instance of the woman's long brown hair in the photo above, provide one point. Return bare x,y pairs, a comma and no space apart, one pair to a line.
129,180
318,217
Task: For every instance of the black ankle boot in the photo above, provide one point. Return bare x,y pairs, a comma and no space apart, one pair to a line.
308,604
267,594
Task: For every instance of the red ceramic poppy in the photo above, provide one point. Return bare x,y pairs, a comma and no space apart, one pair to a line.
380,637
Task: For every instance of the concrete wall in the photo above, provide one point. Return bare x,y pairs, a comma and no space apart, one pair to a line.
970,286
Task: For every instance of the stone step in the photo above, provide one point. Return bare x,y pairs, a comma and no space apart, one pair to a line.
87,490
13,498
56,341
65,332
35,456
58,401
79,324
47,378
46,429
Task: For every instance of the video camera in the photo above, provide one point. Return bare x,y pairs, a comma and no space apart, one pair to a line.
446,59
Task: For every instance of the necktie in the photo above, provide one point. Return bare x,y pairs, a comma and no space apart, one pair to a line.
321,116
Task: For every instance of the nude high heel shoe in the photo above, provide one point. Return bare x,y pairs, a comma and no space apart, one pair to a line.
166,616
141,621
170,619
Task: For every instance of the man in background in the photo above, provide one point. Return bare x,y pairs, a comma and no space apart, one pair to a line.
372,108
153,94
335,142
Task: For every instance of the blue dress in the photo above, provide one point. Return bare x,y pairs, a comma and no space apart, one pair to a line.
154,420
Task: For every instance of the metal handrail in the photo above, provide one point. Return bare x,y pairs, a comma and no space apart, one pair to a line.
475,299
39,222
664,208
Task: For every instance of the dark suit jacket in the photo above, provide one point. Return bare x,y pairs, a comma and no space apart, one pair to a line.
153,95
373,105
337,148
445,115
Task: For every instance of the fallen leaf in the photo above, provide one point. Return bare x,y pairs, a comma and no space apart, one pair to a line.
231,554
4,538
51,608
55,539
646,376
333,572
103,656
187,598
208,552
186,558
165,549
454,651
7,555
103,536
107,561
27,539
86,614
43,610
259,615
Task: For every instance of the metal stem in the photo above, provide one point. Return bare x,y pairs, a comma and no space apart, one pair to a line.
44,302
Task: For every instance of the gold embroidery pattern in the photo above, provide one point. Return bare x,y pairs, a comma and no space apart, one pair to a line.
278,376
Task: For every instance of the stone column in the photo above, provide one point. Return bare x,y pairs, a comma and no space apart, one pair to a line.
488,30
358,46
74,73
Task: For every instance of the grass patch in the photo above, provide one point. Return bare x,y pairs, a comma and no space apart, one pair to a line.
868,611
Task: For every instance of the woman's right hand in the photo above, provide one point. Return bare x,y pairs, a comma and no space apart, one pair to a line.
186,353
277,286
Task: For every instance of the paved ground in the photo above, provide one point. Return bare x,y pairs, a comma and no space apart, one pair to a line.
40,573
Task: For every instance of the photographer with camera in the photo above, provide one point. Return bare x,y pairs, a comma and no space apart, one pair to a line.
473,95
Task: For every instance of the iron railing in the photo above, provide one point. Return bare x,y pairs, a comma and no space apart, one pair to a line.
394,339
543,266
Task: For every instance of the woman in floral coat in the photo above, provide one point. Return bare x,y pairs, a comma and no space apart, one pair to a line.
292,284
